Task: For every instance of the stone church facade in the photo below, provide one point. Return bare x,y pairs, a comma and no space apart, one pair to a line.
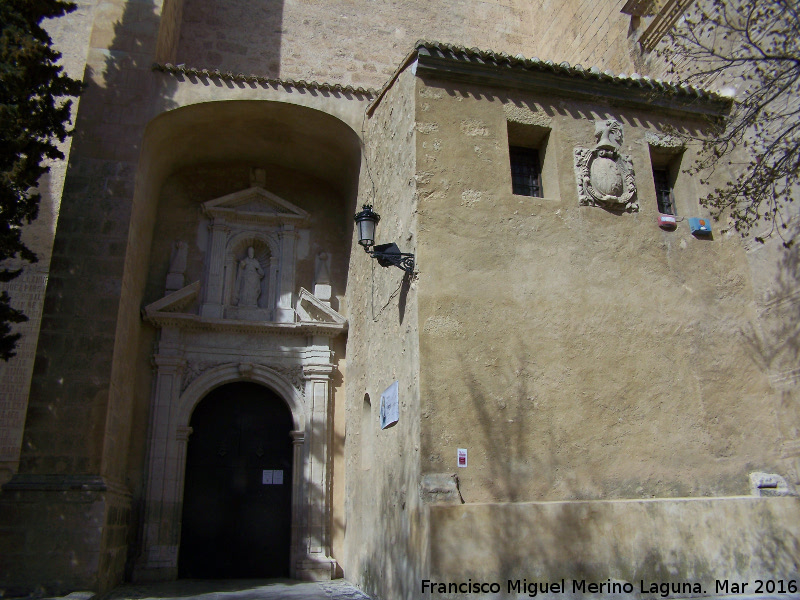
584,389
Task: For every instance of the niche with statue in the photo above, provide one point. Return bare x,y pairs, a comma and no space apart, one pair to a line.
251,256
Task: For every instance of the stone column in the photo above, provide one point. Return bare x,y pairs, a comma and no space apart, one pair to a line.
299,504
288,240
212,305
164,491
317,563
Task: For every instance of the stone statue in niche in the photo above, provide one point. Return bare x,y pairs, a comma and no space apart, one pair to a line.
177,266
605,175
248,280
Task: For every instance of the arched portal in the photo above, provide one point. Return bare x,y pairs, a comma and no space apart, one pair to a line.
237,502
217,179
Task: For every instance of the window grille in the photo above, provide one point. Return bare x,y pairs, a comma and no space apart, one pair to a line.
666,206
526,176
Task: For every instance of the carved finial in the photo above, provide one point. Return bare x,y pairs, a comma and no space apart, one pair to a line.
177,266
258,178
322,278
608,134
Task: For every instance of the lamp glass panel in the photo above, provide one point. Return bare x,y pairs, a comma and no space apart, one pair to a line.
366,232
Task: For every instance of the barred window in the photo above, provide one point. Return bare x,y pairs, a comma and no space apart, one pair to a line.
526,176
666,206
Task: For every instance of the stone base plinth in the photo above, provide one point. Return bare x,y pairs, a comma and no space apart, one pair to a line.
662,542
60,534
315,569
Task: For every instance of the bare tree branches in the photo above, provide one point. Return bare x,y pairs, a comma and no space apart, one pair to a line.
751,50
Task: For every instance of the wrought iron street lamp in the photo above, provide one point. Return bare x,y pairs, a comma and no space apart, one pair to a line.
386,254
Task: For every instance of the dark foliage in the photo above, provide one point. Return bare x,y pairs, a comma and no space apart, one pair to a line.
34,116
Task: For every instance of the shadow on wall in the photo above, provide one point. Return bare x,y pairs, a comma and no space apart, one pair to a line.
72,390
230,36
511,538
775,345
773,340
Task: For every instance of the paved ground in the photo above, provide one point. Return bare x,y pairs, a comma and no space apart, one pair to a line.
285,589
273,589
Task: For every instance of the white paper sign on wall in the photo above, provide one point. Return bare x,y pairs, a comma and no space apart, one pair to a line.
272,477
462,457
390,406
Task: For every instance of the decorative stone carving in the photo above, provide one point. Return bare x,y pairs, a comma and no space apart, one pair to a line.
294,375
322,278
259,285
177,266
605,175
663,140
310,309
248,281
195,369
245,368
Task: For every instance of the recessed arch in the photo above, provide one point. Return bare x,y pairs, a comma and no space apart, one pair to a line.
229,373
199,352
236,518
256,131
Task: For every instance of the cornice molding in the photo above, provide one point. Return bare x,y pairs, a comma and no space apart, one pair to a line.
479,67
196,322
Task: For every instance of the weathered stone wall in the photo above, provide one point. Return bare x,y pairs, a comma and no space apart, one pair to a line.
70,36
384,540
584,32
579,354
47,554
117,41
78,422
361,43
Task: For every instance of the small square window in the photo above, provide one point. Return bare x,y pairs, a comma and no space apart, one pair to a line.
526,172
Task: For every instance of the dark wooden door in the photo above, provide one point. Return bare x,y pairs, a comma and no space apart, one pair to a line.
234,524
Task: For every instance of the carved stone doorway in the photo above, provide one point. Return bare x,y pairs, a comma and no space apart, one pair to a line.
236,518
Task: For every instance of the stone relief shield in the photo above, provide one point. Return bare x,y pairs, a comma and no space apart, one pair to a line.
605,175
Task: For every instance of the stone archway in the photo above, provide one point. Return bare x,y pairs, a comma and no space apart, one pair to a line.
237,502
305,390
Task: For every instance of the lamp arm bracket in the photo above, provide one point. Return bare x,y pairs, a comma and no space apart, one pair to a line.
389,255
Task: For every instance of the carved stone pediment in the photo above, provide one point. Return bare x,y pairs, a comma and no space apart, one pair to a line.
605,175
311,309
257,205
174,302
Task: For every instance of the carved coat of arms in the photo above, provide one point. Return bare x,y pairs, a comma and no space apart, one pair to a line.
604,174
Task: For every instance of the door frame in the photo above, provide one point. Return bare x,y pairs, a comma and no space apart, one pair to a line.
306,390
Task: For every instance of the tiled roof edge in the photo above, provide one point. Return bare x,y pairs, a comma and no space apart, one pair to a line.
564,68
242,77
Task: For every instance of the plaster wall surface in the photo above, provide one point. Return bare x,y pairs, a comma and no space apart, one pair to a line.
666,542
385,539
774,338
579,353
